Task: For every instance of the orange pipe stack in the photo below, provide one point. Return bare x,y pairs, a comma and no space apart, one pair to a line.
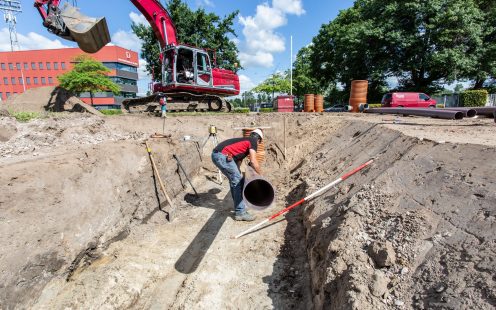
319,103
309,103
358,94
260,147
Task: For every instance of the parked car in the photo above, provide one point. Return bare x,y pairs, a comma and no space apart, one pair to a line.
337,108
408,100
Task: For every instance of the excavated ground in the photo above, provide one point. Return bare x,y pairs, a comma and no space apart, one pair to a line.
83,224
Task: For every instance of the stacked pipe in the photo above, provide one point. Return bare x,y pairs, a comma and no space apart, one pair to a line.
437,113
309,105
319,103
260,147
358,94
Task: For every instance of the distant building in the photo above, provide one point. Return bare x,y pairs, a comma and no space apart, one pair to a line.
22,70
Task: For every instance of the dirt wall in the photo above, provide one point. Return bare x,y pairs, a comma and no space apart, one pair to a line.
415,230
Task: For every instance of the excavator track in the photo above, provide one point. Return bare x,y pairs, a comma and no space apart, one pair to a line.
177,102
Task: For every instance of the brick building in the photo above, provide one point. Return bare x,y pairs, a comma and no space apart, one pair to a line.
22,70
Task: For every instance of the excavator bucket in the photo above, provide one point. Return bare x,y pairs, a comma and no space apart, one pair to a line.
91,34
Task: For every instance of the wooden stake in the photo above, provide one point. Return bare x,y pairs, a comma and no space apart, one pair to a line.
162,187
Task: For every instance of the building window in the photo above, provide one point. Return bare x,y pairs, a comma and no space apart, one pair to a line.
26,67
43,81
18,66
5,81
8,95
119,66
40,65
21,82
33,66
50,80
62,64
13,81
3,66
55,65
11,66
35,81
48,66
1,96
28,81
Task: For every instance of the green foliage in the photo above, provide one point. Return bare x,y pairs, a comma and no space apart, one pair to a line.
276,83
304,82
198,28
375,105
25,116
474,98
440,106
111,112
266,110
88,75
241,110
426,43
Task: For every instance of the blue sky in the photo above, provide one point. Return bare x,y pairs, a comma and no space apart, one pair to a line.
263,28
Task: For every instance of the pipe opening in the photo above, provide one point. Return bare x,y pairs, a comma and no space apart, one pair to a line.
459,115
258,194
471,113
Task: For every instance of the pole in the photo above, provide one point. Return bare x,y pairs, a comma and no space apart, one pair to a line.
309,197
291,68
285,158
184,171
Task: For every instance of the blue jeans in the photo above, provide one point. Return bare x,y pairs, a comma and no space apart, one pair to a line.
236,181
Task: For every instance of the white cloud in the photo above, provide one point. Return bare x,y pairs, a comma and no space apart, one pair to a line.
138,18
31,41
261,38
127,39
245,83
205,3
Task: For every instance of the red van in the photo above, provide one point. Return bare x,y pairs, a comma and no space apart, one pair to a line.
408,100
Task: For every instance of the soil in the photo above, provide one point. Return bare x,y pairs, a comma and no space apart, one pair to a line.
83,224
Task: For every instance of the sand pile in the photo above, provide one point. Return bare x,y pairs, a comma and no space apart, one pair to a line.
53,99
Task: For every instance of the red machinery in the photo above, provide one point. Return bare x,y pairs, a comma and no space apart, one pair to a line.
189,80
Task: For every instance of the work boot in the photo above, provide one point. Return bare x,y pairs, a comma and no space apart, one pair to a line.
245,217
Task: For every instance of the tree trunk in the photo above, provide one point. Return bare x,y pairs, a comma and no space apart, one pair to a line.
479,84
91,98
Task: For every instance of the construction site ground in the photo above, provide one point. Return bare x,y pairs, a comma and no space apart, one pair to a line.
83,223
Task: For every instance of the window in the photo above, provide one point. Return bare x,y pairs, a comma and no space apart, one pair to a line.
50,80
11,66
18,66
40,65
28,81
21,82
33,66
3,66
48,66
62,64
13,81
121,80
26,67
424,97
55,65
35,81
1,96
5,81
8,95
43,81
119,66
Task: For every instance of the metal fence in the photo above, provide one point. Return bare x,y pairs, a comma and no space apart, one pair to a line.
491,100
448,101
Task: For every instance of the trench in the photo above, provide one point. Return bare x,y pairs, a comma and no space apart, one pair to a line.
432,214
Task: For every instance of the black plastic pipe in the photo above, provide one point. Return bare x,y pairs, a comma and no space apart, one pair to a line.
467,112
258,193
436,113
484,111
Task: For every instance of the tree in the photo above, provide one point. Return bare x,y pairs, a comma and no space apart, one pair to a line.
304,82
198,28
423,43
88,75
276,83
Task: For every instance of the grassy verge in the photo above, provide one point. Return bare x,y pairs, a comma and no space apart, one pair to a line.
25,116
111,112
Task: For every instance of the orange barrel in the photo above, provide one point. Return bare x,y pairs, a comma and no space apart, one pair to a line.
309,105
358,94
319,103
260,147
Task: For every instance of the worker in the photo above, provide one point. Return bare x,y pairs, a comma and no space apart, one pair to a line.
227,156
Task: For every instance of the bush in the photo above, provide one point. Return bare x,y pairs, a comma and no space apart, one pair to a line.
440,105
266,110
473,98
241,110
111,112
25,116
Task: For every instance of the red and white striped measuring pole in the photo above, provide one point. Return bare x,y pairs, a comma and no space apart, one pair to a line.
309,197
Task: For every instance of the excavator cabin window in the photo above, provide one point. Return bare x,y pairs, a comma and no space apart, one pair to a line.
184,66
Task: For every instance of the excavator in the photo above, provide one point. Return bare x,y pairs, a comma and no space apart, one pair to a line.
190,80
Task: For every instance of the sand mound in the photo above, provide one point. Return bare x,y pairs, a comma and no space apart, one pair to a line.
53,99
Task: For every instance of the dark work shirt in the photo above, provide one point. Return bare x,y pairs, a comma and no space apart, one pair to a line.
238,148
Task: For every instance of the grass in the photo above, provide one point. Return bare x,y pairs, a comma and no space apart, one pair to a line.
25,117
375,105
111,112
241,110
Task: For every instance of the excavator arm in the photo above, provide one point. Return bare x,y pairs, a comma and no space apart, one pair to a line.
91,34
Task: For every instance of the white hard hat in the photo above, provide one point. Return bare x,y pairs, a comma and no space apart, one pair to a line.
259,132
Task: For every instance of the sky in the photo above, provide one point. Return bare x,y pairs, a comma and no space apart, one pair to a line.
263,29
